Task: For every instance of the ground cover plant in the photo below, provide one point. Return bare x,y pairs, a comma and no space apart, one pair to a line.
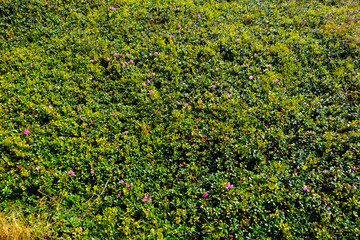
146,119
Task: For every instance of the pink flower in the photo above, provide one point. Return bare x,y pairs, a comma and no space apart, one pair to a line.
116,54
305,188
26,131
58,87
216,69
79,108
34,89
92,60
213,86
50,107
205,195
108,59
151,91
37,168
131,60
238,39
228,95
144,84
31,64
79,115
353,168
356,11
277,80
61,137
228,185
199,16
156,53
185,106
119,195
148,81
150,54
121,182
255,55
251,77
154,74
71,172
114,9
179,26
92,171
171,36
80,228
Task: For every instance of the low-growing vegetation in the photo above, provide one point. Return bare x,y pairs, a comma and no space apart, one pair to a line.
192,119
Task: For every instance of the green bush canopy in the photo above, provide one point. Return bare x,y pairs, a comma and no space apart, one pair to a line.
191,119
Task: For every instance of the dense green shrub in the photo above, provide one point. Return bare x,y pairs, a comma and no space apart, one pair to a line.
182,119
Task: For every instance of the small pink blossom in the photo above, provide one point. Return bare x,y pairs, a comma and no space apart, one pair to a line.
205,195
116,54
50,107
114,9
58,87
185,106
255,55
31,64
171,36
121,182
216,69
156,53
144,84
199,15
79,115
92,171
305,188
37,168
246,65
92,60
251,77
276,80
154,74
228,95
34,89
71,172
228,185
79,108
353,168
108,59
61,137
148,81
150,54
151,91
179,26
131,60
238,39
26,131
119,195
80,228
356,11
213,86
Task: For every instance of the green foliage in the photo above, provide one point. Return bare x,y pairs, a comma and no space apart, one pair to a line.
117,116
